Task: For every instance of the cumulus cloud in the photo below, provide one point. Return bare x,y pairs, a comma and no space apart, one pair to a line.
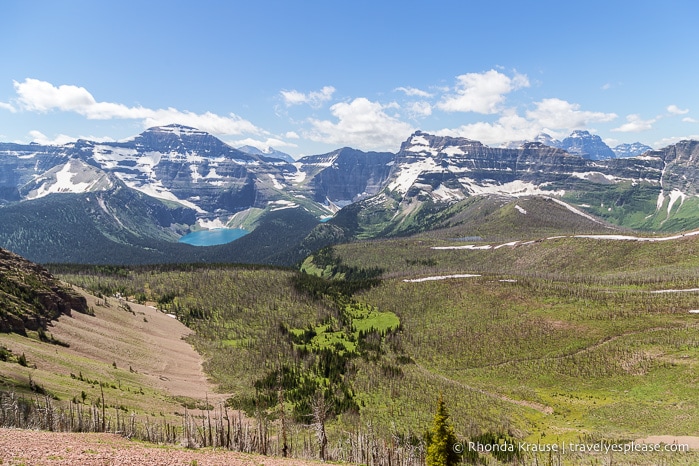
557,114
292,135
675,110
7,106
413,92
664,142
482,92
635,124
361,123
509,127
690,120
553,116
41,96
263,145
420,109
314,99
60,139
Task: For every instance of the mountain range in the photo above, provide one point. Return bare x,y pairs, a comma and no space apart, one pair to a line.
130,201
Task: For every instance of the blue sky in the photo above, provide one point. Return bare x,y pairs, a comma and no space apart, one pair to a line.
307,77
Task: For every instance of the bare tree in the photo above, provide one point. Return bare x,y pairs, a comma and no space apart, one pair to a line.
320,414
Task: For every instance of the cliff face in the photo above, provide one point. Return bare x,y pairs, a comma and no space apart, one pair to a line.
464,167
30,297
347,175
680,169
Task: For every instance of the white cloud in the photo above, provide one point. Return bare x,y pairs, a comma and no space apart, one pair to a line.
690,120
634,124
413,92
420,109
361,123
664,142
555,117
292,135
7,106
262,145
60,139
557,114
482,92
606,86
314,99
509,127
675,110
41,96
210,122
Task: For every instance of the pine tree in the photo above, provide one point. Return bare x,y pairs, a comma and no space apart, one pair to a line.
440,451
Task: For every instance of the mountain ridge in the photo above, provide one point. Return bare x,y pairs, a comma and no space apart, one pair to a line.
187,180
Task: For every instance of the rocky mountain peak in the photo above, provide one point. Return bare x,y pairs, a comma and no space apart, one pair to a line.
631,150
420,143
587,145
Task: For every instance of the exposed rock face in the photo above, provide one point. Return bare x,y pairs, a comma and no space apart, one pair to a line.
631,150
681,166
586,145
448,168
348,175
30,296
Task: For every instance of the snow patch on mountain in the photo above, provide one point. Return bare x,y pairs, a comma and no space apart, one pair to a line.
675,194
408,173
75,176
420,145
444,194
513,188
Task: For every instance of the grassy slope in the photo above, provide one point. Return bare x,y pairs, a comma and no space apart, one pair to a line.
599,352
560,339
153,364
578,332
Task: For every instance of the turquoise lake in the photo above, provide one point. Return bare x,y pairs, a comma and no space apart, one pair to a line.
213,237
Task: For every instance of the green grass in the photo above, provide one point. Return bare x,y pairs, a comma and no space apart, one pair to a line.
558,339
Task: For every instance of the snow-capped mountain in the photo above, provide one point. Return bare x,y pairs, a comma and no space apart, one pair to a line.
447,168
268,152
586,145
631,150
189,179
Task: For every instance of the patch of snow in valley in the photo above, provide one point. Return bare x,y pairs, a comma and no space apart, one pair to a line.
512,243
440,277
467,246
215,224
688,290
520,209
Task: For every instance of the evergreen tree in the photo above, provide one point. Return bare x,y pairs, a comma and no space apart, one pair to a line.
440,451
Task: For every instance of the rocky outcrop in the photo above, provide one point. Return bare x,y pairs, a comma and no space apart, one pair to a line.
348,175
30,297
586,145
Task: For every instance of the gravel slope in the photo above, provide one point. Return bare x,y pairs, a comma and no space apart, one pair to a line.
29,447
